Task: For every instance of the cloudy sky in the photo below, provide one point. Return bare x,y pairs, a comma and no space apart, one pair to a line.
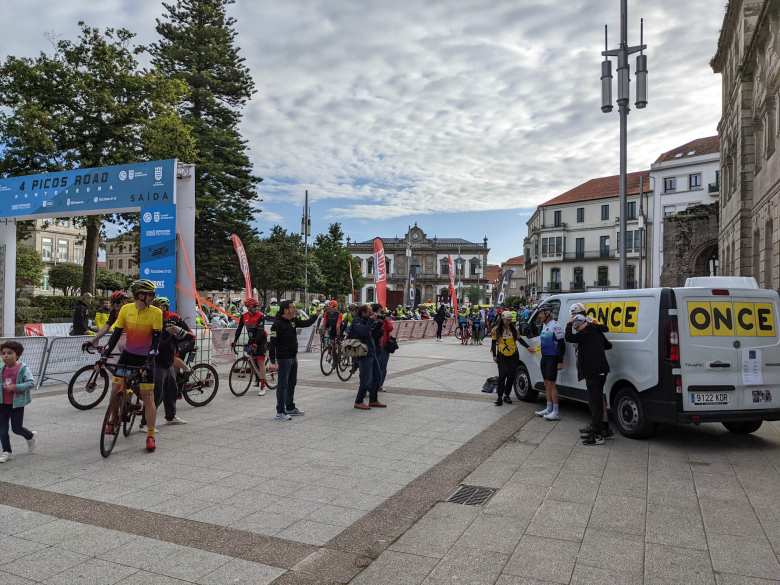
460,115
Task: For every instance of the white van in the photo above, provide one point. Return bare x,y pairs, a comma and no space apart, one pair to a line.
679,355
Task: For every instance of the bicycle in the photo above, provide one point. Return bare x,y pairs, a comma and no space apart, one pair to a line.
328,355
465,335
245,369
128,407
85,392
198,385
345,366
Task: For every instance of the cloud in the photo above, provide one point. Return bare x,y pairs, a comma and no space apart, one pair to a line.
415,107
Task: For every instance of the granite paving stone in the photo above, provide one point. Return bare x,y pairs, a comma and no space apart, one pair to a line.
741,555
666,565
42,564
92,572
544,559
396,568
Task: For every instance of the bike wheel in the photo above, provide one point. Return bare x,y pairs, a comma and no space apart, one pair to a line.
131,411
326,361
240,378
201,385
88,387
458,332
344,367
271,377
107,442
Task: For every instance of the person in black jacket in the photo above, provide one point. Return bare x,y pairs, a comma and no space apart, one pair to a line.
80,324
440,318
506,355
283,347
367,330
592,365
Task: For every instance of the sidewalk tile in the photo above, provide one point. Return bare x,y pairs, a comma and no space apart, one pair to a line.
431,536
751,557
575,488
728,579
466,565
619,514
41,565
146,578
12,548
9,579
14,520
337,515
544,559
675,527
310,532
514,580
239,571
587,575
560,520
81,538
92,572
617,553
733,517
494,533
396,568
666,565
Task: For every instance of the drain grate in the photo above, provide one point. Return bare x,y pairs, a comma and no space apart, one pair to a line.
471,495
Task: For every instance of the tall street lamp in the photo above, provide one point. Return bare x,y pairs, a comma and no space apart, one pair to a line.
624,80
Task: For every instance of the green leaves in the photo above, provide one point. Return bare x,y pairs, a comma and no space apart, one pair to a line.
66,277
29,267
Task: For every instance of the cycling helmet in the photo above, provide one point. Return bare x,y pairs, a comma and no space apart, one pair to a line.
251,303
577,309
118,296
142,286
273,300
333,304
545,307
161,301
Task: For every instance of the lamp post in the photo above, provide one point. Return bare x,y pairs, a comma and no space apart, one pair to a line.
624,80
306,232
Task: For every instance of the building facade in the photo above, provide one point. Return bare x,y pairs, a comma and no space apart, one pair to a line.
427,258
686,186
57,241
518,280
748,59
122,254
572,242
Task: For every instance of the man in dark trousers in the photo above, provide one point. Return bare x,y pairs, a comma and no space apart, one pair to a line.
592,365
80,324
283,348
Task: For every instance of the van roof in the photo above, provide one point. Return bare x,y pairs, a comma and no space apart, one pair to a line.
721,282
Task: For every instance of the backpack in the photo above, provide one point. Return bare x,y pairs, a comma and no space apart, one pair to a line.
354,348
392,345
490,385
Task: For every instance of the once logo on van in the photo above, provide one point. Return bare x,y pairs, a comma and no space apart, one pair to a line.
619,317
731,319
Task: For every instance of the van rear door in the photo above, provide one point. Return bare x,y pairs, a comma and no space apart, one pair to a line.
729,349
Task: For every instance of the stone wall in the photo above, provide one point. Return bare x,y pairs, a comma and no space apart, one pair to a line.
689,239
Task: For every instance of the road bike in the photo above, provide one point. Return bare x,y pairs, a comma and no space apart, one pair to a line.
245,369
345,365
198,384
465,335
328,354
129,405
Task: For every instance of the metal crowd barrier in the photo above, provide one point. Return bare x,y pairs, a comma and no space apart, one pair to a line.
34,355
65,357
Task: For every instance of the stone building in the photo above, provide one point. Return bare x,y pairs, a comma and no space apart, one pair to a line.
519,280
428,259
57,241
748,59
122,254
686,186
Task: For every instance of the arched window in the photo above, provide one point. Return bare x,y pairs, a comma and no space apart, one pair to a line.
369,266
370,294
474,266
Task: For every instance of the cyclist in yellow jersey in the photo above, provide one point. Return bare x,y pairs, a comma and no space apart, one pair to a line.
142,323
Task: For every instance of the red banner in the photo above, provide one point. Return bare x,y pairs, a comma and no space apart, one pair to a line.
453,296
380,272
243,262
33,330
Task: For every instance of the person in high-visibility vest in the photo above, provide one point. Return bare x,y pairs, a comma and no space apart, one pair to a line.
273,308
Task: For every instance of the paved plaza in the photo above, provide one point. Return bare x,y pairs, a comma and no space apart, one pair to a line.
343,496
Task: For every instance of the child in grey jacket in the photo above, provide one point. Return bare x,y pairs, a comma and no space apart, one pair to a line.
16,382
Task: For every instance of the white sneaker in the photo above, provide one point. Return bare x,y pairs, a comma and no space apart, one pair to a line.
282,417
544,412
176,420
31,442
261,392
552,416
4,456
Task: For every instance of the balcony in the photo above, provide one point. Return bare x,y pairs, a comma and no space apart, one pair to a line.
601,283
561,226
713,188
577,285
605,254
553,287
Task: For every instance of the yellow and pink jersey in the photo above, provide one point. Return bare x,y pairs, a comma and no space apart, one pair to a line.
139,327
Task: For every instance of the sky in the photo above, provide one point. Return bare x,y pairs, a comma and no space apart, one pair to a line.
459,115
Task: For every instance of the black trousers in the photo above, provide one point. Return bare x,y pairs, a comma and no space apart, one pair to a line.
14,417
595,385
439,327
165,390
507,371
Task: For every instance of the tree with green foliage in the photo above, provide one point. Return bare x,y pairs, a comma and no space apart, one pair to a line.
66,277
88,104
333,259
110,281
199,46
29,267
474,294
278,263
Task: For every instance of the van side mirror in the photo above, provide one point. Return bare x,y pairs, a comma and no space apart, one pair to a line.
525,329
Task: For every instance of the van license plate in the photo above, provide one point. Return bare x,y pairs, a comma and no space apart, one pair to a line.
709,398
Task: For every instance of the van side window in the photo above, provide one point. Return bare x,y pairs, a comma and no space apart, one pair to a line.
534,330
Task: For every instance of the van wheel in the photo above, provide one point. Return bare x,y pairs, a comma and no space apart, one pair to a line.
524,390
744,427
630,415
